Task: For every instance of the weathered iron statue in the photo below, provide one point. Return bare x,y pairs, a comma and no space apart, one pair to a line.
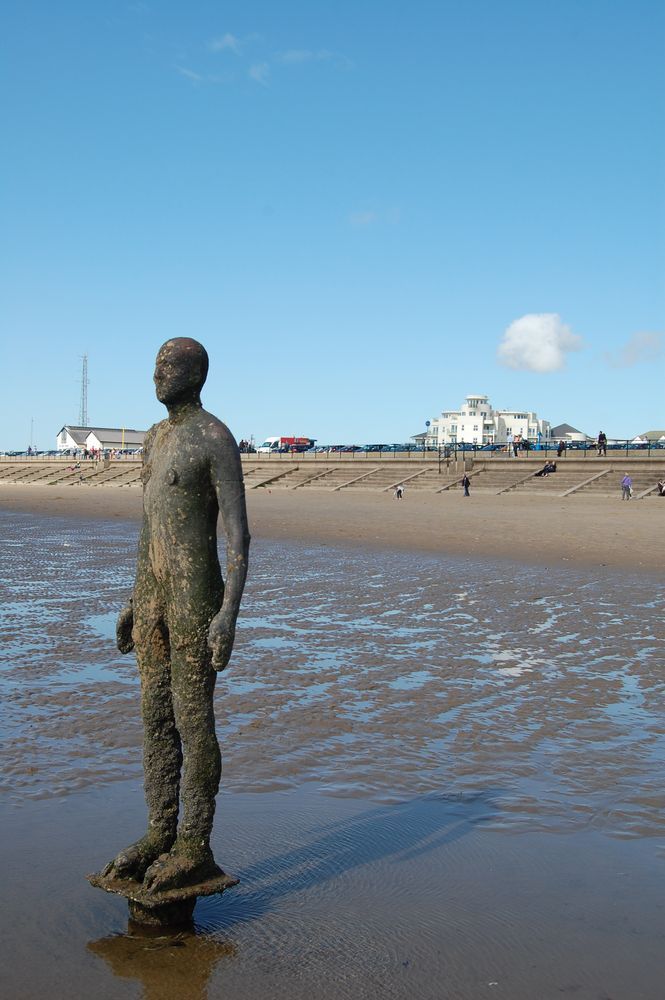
181,620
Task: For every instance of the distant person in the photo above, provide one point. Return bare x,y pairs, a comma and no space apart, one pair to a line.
516,444
560,449
509,443
466,482
399,492
602,443
660,486
626,487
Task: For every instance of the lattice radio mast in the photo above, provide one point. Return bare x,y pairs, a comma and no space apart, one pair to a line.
83,407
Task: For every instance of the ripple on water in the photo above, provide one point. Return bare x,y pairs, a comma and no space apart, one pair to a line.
547,685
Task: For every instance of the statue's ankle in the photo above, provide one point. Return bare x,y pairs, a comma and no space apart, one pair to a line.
195,847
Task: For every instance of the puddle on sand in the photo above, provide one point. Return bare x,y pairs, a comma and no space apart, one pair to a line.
546,684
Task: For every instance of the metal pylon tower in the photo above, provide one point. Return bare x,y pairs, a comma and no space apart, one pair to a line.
83,407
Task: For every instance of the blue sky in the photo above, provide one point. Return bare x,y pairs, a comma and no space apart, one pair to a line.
353,205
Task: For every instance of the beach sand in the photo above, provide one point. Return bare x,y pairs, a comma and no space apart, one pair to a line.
596,531
443,743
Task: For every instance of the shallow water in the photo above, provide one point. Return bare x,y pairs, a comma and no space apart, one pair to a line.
385,721
339,899
381,675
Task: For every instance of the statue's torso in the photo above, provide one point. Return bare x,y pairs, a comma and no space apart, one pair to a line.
179,500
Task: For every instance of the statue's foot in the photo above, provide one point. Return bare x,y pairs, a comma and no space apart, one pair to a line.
179,869
135,860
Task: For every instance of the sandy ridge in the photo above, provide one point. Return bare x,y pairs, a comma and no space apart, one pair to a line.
586,531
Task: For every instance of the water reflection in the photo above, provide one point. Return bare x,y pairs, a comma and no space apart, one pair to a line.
168,967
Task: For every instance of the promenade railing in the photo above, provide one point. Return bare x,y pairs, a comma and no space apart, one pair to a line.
616,448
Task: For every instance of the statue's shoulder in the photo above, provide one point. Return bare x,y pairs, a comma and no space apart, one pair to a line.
221,447
215,430
150,435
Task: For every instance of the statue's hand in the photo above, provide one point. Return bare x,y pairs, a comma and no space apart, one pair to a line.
221,635
123,629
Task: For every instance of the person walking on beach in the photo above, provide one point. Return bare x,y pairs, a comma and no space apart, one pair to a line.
626,487
182,619
399,492
466,482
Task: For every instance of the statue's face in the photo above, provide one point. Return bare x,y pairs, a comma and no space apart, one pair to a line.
178,372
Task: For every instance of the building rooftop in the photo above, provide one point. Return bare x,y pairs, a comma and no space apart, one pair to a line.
562,429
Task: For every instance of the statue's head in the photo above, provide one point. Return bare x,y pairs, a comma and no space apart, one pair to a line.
180,370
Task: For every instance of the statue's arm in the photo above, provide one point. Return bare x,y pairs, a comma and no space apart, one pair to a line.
227,477
125,622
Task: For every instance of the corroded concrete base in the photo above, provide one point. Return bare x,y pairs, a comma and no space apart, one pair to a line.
171,908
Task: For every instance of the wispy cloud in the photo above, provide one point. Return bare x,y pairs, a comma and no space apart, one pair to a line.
364,218
259,72
226,43
642,348
189,74
538,342
255,58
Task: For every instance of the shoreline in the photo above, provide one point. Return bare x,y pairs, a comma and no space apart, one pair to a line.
593,531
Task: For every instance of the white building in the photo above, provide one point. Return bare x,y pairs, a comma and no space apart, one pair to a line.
102,438
477,423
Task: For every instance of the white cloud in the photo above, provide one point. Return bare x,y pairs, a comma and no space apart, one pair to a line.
189,74
225,43
641,348
538,342
259,72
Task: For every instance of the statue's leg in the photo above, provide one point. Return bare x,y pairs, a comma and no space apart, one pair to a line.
162,755
193,685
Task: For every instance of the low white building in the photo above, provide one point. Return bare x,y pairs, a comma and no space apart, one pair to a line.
70,438
102,438
476,422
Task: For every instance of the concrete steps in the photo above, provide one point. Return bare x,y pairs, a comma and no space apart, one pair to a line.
264,475
12,473
555,484
130,477
63,477
429,480
496,480
383,478
610,484
327,480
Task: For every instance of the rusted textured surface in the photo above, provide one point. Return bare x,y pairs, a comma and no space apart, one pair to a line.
162,909
181,621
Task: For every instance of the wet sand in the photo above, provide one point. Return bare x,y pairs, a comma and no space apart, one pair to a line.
442,773
596,531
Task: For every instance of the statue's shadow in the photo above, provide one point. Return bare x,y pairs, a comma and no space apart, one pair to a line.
180,965
399,832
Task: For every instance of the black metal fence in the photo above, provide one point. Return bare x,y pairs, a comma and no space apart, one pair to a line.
616,447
